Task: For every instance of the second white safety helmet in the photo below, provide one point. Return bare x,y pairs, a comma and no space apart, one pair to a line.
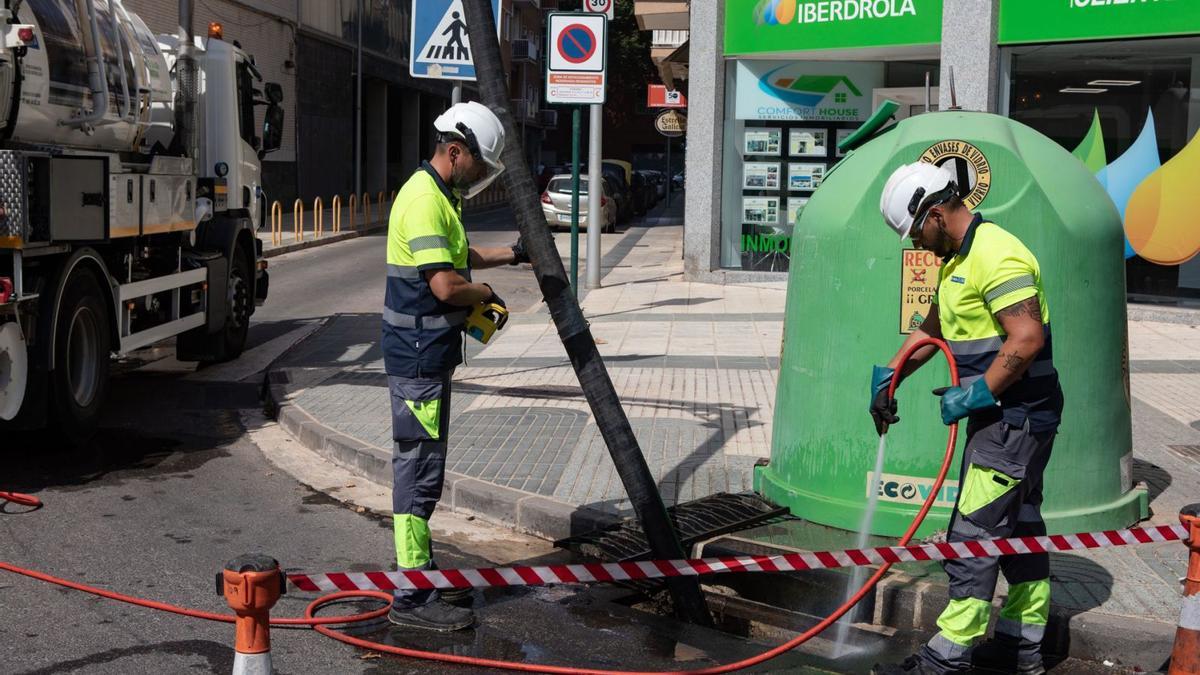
911,191
478,128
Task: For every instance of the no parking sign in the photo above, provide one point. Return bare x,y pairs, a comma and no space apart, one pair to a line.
577,47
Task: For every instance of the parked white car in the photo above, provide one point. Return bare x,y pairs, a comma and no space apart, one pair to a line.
556,204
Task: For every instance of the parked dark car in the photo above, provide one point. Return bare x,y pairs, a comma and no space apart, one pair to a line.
621,191
644,192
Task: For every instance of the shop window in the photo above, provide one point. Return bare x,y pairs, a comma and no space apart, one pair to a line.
783,122
1130,110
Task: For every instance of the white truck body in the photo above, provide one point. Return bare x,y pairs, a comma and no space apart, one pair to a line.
130,194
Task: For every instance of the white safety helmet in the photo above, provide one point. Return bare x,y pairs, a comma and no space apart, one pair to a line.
481,131
910,192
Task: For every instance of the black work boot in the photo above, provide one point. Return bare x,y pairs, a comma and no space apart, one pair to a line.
461,597
436,615
1003,655
910,666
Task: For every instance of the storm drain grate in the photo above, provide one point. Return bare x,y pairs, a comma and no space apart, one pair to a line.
696,521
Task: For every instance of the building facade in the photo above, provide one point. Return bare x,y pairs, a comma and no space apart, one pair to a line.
266,29
312,49
784,80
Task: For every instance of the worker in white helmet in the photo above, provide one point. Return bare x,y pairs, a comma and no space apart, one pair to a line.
429,295
991,310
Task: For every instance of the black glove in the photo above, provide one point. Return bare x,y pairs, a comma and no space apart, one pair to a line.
519,253
494,299
883,410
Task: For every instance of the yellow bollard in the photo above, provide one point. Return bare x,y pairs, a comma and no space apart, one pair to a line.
353,211
337,214
318,218
366,209
277,223
298,219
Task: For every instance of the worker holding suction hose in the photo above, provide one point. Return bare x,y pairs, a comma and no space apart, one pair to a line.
991,310
430,301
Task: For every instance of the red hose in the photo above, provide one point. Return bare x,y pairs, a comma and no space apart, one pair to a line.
22,499
320,624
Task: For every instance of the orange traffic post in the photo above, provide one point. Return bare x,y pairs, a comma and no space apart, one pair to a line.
1185,657
353,210
337,213
366,202
298,219
318,218
251,584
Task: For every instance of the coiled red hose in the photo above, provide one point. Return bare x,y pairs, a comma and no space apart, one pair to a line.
321,624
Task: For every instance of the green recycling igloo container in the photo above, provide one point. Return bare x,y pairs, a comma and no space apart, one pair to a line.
853,289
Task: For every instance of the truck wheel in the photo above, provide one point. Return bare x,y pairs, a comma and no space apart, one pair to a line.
81,356
241,303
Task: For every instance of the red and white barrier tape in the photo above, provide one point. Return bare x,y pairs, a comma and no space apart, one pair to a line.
791,562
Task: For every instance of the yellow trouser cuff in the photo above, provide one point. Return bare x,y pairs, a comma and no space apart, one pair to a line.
965,620
412,540
1028,603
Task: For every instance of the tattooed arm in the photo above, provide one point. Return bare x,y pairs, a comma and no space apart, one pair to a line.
1022,321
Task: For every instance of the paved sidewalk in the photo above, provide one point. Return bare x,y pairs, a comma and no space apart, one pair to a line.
695,365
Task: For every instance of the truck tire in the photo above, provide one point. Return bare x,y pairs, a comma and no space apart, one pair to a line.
232,338
81,356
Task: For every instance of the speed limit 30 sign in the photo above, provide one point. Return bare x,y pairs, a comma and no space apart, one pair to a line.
604,7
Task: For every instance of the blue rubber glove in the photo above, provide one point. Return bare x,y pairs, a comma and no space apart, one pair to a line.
957,402
883,409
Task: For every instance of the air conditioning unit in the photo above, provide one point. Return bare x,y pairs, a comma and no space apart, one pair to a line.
524,50
548,118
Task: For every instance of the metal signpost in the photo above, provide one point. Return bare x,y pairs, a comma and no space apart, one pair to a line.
595,165
439,45
576,75
672,124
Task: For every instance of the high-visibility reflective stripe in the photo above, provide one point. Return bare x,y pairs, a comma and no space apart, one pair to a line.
1014,284
403,272
979,346
1020,631
426,243
1189,616
433,321
399,320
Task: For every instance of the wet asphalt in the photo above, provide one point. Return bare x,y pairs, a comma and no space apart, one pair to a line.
172,487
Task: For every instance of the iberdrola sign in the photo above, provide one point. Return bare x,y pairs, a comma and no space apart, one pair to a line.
763,26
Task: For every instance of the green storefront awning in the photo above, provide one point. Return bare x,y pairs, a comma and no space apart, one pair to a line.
1023,21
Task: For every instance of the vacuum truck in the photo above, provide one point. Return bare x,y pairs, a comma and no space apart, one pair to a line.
130,198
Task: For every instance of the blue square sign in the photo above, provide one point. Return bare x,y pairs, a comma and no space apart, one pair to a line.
441,48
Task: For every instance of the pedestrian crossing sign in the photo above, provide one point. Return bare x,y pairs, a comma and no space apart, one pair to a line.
440,46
